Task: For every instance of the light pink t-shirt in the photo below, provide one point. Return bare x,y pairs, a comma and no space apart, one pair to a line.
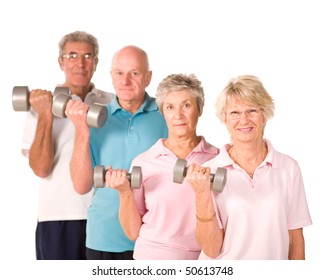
257,213
168,208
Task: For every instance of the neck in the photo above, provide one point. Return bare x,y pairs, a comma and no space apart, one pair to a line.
182,147
131,105
249,157
80,91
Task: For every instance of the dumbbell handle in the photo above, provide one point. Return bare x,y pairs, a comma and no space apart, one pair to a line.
218,179
211,175
96,115
20,96
135,177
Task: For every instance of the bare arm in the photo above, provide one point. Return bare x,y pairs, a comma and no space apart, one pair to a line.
129,216
41,153
208,233
81,170
296,245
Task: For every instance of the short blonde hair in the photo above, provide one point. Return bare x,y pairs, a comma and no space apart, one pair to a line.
250,90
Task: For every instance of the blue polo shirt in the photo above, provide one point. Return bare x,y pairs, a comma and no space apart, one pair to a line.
117,143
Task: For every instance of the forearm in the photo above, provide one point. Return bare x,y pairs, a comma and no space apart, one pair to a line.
81,170
296,245
208,233
41,153
129,216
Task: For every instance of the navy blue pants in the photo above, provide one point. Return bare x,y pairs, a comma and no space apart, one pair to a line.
100,255
61,240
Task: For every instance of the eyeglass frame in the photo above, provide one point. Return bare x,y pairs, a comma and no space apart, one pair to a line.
73,56
248,114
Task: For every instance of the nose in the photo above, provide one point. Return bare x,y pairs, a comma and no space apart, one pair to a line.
243,117
125,79
80,60
178,112
243,114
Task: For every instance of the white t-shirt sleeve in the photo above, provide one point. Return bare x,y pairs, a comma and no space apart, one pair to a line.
29,132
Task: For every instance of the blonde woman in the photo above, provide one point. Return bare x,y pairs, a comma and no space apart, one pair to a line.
262,210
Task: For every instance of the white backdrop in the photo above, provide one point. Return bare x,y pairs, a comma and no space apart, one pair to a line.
282,42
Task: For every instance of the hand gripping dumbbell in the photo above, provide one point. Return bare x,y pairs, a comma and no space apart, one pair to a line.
20,97
135,177
96,115
218,179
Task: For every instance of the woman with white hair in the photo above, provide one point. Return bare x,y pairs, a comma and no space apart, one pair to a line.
160,216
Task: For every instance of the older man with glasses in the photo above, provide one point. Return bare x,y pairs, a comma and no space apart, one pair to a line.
48,143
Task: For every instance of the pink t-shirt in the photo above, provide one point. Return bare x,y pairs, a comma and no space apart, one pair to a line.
257,213
168,208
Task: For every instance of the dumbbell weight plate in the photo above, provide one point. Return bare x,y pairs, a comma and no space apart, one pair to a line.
179,171
219,180
135,177
60,99
97,115
99,176
61,90
20,98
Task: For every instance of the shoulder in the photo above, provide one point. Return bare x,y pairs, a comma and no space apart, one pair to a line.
100,96
105,97
148,154
208,147
279,159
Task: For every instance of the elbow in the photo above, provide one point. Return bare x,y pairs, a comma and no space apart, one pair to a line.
81,189
81,185
132,236
211,252
42,172
41,175
132,232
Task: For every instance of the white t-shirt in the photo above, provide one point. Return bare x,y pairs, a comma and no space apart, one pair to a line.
57,198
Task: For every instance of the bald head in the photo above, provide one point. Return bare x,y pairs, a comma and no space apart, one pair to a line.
126,53
130,76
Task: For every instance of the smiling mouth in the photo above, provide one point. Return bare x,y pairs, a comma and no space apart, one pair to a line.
246,129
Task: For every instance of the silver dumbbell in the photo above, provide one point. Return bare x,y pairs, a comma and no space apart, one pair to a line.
20,97
96,115
218,179
135,177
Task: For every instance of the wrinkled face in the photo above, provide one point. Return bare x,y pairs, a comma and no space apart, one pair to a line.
130,75
181,113
244,122
78,64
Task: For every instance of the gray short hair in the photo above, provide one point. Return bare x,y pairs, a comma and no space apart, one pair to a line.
179,82
78,36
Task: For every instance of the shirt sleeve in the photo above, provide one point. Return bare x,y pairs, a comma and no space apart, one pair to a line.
299,215
29,132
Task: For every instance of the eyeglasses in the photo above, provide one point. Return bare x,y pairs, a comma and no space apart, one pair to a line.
236,115
74,56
